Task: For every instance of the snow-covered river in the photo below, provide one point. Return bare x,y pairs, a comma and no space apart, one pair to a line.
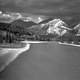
48,61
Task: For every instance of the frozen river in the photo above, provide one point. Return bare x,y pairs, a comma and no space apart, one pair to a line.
45,62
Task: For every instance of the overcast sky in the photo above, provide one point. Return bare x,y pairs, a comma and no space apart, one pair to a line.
48,7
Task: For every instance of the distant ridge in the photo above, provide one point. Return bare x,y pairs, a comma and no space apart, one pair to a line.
46,21
21,23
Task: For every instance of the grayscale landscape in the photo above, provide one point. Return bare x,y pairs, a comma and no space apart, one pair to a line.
30,49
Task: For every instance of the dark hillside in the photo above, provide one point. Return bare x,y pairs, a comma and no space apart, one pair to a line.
4,26
21,23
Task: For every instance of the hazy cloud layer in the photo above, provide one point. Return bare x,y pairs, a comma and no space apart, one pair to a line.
48,7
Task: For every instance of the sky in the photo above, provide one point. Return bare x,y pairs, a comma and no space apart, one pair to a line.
46,7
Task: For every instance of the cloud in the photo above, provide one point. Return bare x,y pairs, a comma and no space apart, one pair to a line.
52,7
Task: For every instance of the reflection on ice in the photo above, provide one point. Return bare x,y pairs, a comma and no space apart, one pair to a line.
7,55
